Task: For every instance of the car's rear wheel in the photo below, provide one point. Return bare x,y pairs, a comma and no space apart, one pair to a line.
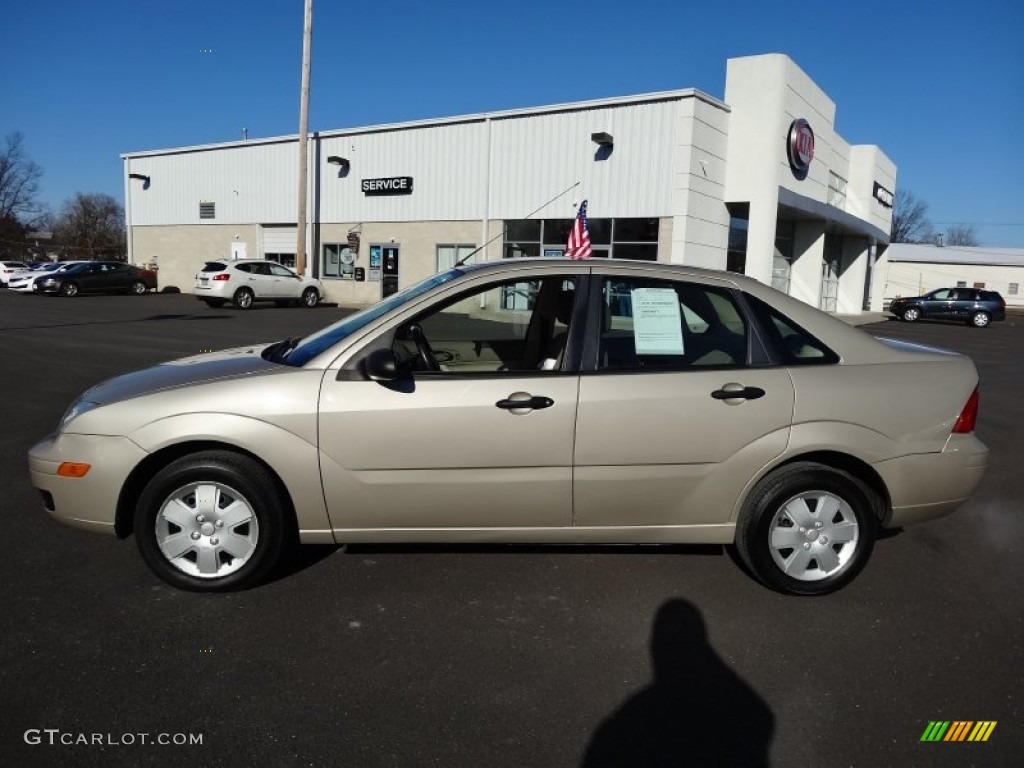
138,287
243,298
911,314
210,522
310,297
69,289
807,529
980,319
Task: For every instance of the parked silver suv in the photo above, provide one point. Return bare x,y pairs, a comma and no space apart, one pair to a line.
247,280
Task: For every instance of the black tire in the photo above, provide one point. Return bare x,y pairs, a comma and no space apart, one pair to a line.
244,487
243,298
310,297
69,289
807,486
138,287
214,303
980,320
910,314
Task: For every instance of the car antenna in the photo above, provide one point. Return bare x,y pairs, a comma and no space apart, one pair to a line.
504,230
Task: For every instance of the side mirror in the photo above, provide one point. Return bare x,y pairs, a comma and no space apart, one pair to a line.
381,365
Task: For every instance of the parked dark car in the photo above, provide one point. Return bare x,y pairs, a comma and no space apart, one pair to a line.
973,306
97,277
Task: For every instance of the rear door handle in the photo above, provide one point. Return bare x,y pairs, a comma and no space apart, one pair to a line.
736,392
533,403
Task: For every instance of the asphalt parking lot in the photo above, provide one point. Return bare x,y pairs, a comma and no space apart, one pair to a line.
488,656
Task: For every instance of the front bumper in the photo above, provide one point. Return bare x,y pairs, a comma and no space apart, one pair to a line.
926,486
88,502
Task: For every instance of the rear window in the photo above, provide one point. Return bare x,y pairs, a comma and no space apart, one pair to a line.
215,266
790,343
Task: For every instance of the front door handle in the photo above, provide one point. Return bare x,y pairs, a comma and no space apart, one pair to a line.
525,401
737,392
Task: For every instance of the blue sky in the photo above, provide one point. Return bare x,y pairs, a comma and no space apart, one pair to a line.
938,85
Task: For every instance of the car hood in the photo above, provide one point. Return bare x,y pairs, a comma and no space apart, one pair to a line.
226,364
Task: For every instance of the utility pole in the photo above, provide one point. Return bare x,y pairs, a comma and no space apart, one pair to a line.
300,244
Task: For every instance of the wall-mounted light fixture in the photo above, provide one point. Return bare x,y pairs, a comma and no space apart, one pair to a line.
141,177
342,162
602,139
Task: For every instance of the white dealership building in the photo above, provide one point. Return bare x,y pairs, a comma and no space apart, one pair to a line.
758,182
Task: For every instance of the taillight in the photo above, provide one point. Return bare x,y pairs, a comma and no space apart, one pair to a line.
222,276
968,416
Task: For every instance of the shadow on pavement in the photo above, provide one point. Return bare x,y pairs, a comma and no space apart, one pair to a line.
695,712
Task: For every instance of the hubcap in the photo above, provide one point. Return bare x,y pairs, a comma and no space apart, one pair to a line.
813,536
207,530
245,299
981,320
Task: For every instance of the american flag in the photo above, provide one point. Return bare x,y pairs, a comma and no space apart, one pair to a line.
578,246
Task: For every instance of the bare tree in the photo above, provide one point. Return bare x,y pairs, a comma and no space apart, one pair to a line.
92,225
910,222
962,234
19,182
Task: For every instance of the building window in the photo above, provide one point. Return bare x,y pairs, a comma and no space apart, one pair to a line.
207,210
284,259
836,190
1012,291
450,255
979,285
961,283
736,258
339,262
635,239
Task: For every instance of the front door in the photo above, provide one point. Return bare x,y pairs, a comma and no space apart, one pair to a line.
477,434
659,440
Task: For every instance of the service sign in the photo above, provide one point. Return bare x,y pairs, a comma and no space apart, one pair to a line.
883,195
396,185
800,145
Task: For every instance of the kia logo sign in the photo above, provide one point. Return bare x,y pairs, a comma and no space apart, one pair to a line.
801,145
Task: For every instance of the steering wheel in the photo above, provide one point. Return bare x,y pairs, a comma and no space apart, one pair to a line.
426,354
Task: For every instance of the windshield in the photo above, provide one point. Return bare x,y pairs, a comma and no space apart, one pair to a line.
313,345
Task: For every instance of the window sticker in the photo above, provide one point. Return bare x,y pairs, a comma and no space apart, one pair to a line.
657,327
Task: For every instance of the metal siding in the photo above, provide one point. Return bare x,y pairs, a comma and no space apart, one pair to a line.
447,164
537,157
248,184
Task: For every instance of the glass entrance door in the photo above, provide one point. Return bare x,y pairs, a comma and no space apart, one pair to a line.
830,272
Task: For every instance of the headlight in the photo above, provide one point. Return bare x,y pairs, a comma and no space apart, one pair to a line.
77,409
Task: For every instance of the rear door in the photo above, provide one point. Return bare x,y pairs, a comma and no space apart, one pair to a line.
672,419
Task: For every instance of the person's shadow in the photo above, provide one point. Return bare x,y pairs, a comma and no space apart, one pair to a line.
696,712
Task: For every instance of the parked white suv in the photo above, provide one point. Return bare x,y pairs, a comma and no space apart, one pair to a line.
247,280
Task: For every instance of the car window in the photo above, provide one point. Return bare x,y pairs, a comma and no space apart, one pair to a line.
243,267
216,266
278,271
943,294
509,326
667,325
260,269
791,344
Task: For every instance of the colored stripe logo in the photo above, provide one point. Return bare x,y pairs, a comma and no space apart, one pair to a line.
958,730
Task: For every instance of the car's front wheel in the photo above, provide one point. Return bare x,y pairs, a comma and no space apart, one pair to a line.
310,297
138,287
243,298
911,314
210,522
980,319
807,529
69,289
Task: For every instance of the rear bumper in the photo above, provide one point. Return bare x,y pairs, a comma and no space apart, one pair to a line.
925,486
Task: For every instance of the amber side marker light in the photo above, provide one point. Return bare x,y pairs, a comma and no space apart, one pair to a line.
73,469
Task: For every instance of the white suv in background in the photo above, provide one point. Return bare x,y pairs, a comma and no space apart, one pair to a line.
247,280
9,269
